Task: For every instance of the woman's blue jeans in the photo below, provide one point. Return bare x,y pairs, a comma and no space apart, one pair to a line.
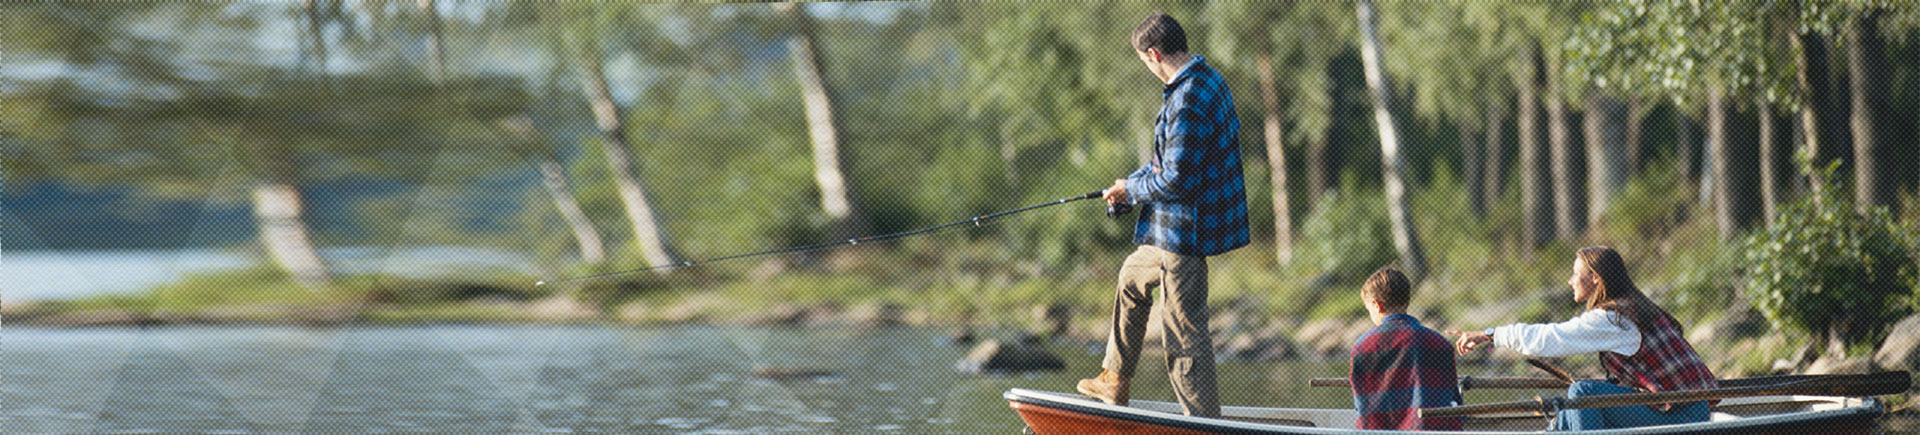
1622,416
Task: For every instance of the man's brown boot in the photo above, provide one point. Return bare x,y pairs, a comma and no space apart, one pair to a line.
1109,387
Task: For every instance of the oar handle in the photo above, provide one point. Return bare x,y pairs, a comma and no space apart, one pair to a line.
1834,385
1468,383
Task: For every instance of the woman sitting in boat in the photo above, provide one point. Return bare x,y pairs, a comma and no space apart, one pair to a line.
1640,345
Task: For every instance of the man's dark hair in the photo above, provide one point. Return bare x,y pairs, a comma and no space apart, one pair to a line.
1390,287
1159,31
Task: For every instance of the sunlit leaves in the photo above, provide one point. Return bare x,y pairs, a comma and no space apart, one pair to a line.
1825,267
1678,48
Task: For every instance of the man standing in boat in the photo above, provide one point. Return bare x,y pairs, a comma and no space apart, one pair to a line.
1193,204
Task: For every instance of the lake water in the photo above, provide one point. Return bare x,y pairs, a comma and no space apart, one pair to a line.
524,379
555,379
52,275
540,379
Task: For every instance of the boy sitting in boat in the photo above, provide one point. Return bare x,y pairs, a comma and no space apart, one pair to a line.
1400,366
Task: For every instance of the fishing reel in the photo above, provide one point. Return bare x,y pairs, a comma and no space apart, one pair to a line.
1114,210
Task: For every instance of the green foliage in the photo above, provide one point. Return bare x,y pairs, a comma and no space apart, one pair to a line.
1234,35
1825,268
1348,235
1452,84
264,286
237,287
949,110
1452,234
1679,49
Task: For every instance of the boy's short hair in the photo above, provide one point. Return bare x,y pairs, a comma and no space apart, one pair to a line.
1159,31
1390,287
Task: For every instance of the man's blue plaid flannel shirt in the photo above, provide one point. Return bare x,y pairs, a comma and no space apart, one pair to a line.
1192,197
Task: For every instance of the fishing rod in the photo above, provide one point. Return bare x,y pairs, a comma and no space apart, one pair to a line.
1113,210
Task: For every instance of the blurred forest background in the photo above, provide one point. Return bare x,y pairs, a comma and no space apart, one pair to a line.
1755,161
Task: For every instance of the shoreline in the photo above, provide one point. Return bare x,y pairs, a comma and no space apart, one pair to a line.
1238,337
1240,333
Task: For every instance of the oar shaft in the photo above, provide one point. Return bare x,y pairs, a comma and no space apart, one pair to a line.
1536,383
1836,385
1469,383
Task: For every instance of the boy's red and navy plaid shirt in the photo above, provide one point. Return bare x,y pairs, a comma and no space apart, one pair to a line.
1192,197
1398,368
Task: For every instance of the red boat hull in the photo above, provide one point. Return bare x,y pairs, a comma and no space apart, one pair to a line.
1055,413
1048,420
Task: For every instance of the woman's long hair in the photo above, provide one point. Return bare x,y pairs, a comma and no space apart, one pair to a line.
1616,291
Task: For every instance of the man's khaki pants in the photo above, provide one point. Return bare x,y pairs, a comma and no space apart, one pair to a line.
1183,299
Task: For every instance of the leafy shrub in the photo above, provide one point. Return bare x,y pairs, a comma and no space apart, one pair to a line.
1832,271
1655,205
1347,235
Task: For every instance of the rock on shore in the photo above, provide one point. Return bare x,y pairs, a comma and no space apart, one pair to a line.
995,356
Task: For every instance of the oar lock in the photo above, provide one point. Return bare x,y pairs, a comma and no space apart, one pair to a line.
1550,405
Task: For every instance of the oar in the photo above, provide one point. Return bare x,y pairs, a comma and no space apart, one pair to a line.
1531,383
1832,385
1557,372
1469,383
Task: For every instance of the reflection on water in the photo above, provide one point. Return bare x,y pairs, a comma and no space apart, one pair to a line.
504,379
468,379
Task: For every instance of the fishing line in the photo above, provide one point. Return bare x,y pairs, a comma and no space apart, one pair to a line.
977,221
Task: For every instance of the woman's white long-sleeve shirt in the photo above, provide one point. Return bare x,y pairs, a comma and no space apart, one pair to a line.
1591,332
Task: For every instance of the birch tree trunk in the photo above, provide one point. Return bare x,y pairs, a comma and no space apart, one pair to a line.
1606,153
1472,163
1771,163
1636,140
823,127
1319,165
436,38
607,115
553,177
592,249
1685,149
1723,216
1493,173
1393,169
1322,160
1276,157
1809,81
279,208
1729,145
313,41
279,214
1536,206
1567,201
1866,69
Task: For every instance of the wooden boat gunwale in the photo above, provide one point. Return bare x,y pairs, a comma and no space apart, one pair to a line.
1850,411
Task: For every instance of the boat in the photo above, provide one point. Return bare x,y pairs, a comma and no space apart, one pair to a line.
1048,413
